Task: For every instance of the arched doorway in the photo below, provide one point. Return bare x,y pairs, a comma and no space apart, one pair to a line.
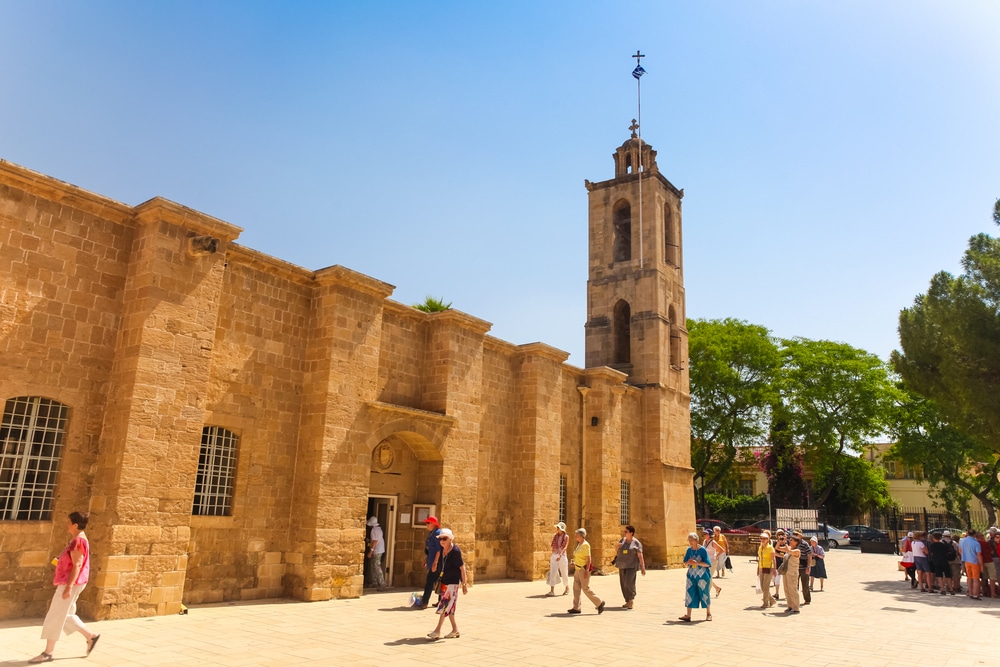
405,478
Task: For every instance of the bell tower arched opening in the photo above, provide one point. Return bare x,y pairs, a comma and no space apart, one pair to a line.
672,252
622,333
622,231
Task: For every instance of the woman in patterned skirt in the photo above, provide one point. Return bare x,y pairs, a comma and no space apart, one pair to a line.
452,576
699,579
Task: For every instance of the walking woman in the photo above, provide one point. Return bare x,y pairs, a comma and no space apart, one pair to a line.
72,574
791,555
452,575
765,564
698,593
558,562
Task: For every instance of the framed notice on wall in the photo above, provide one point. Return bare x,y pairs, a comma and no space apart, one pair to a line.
421,512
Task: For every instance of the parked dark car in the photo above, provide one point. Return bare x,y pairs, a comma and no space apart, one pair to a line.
867,533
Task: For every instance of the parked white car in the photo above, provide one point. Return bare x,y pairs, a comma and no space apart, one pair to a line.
829,537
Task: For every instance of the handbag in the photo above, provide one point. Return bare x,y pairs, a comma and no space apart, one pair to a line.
729,564
439,582
783,568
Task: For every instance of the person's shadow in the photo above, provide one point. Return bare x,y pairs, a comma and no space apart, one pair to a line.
413,641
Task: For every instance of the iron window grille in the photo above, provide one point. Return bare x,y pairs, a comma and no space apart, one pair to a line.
625,496
31,443
213,488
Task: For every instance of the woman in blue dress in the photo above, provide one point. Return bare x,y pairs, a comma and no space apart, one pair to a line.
699,579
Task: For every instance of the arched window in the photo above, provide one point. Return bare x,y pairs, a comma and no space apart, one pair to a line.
31,442
672,252
623,232
622,333
675,340
213,488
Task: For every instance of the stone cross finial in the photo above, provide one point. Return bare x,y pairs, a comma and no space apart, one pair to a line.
634,126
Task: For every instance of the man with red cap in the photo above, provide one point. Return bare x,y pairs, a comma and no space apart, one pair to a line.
432,547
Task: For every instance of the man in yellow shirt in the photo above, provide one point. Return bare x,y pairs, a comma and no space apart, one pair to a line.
581,577
765,567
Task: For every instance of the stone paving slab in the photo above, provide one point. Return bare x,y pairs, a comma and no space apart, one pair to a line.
867,617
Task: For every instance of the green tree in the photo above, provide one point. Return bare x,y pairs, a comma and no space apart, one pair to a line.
950,341
839,398
783,463
860,485
733,369
957,466
432,305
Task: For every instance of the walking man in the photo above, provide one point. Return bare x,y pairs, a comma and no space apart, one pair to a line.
804,568
581,577
628,559
432,547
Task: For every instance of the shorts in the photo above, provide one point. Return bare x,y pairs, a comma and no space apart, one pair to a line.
991,570
922,563
941,569
972,570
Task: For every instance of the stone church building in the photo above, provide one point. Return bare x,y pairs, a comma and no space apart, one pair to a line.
230,419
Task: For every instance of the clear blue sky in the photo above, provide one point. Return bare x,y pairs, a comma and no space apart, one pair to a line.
834,155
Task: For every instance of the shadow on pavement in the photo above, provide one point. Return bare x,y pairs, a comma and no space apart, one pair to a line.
403,608
902,592
413,641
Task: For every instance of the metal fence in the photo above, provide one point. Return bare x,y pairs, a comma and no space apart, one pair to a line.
896,522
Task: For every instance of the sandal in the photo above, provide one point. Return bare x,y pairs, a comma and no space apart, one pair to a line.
708,618
686,619
452,635
42,657
91,643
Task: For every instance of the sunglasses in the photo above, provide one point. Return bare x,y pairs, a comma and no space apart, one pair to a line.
444,539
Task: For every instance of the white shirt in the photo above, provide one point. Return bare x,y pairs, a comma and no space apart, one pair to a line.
919,550
378,542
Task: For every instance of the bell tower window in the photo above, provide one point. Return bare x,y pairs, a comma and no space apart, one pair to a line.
622,232
675,340
622,333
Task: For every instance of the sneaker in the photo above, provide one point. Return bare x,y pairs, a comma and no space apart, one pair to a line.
795,611
573,611
600,608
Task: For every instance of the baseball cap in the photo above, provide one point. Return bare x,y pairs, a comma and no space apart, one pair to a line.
432,519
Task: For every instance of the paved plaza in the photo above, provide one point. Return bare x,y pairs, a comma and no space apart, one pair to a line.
867,616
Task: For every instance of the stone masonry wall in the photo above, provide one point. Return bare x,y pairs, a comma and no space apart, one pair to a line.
105,308
63,259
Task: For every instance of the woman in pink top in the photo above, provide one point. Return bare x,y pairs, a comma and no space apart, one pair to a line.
72,574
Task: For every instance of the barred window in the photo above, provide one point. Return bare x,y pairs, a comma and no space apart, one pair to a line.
31,442
562,498
213,488
624,513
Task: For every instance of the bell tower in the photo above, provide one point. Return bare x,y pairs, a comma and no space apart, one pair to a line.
635,287
636,325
